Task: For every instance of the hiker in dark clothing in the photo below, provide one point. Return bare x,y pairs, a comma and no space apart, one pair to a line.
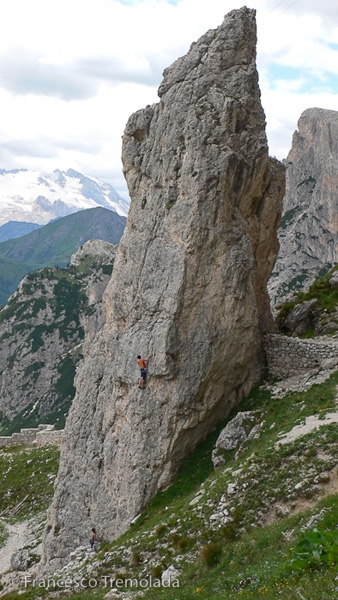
94,541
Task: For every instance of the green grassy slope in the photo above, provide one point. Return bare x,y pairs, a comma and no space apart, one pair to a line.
27,479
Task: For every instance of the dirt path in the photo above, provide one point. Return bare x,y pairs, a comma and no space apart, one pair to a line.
17,539
312,422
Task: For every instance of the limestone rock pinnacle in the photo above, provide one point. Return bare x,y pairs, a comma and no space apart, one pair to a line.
308,232
188,286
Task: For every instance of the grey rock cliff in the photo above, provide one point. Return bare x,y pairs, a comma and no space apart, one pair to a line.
42,329
189,286
308,232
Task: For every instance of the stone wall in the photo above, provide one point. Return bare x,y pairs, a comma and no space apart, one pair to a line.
47,437
43,435
288,356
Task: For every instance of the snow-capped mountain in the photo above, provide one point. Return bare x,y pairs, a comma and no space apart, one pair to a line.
40,197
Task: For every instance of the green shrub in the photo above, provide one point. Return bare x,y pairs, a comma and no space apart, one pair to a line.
315,549
211,554
135,558
156,572
160,530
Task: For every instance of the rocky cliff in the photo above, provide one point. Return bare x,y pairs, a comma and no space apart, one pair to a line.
188,286
41,334
308,232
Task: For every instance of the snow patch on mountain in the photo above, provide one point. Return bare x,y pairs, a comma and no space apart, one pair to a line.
39,197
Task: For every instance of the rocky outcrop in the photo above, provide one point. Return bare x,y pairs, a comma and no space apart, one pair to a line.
20,560
299,320
241,428
41,332
308,231
333,281
188,286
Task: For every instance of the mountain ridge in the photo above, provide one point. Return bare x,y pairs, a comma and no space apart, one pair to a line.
15,229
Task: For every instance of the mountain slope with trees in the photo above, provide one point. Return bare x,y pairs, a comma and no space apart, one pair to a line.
54,244
41,333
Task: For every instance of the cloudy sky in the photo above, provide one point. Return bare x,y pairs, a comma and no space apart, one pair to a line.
72,71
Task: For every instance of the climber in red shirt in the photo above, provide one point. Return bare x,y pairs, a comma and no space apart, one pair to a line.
143,364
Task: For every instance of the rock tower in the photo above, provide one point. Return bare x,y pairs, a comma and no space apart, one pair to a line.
308,232
188,286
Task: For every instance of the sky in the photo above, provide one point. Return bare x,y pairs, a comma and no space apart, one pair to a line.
73,71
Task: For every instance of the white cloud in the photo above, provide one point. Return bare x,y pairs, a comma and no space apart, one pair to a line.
71,72
23,73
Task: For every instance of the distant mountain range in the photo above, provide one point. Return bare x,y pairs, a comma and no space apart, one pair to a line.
15,229
37,197
53,244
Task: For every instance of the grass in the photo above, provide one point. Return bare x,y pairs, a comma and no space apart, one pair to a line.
320,289
3,533
253,548
27,475
34,593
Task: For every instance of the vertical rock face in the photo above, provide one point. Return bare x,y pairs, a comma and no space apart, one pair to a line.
188,286
308,232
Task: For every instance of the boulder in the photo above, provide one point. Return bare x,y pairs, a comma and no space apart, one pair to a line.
237,431
299,319
170,576
333,282
20,560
